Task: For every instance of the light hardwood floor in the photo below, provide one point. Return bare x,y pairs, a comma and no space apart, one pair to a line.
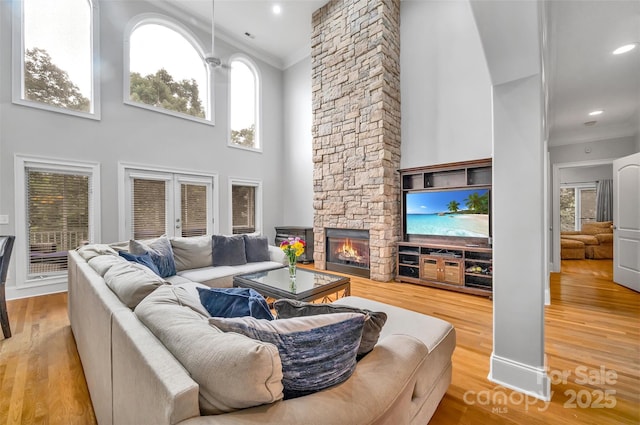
592,331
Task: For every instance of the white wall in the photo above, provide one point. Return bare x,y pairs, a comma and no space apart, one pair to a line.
297,183
587,174
603,149
136,135
445,85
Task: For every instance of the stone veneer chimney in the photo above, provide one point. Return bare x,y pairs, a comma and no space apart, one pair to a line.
356,126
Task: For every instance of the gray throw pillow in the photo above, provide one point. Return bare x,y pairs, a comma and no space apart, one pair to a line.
374,321
256,248
228,250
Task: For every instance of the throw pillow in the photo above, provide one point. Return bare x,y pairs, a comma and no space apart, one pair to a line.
228,250
160,252
234,302
144,259
191,252
256,248
374,321
317,352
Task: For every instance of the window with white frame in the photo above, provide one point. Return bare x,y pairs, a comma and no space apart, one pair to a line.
577,205
246,206
57,204
166,70
244,104
161,202
55,46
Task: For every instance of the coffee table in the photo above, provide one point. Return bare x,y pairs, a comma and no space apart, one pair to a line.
309,285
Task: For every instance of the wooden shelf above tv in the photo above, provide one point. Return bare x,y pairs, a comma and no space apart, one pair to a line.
467,174
458,263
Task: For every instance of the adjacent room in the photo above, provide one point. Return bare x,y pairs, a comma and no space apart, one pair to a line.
319,212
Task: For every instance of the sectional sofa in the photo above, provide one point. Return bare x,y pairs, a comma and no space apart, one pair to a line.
151,356
594,241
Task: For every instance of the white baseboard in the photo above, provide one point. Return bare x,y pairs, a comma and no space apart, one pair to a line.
14,293
520,377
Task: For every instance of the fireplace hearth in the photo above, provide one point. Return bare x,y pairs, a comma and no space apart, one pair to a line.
348,251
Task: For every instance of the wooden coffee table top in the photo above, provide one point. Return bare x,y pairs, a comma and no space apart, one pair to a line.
309,285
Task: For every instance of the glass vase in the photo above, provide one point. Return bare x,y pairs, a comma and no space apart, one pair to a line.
292,269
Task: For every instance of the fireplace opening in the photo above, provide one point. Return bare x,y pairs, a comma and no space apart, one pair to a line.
348,251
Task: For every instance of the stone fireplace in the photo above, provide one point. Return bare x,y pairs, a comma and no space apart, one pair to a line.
356,127
348,251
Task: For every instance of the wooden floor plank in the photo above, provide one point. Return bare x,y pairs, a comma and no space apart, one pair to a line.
592,324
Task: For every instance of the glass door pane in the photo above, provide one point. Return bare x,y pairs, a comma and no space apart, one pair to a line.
149,204
587,205
193,209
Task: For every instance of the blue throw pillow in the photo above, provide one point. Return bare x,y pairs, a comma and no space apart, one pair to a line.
144,259
160,252
316,352
234,302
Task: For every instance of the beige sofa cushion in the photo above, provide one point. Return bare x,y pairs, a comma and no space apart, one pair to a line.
604,238
89,251
192,252
233,371
597,227
102,263
132,282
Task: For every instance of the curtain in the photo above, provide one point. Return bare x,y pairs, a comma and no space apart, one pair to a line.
604,200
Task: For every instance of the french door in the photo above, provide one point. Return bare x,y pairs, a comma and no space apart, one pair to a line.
164,203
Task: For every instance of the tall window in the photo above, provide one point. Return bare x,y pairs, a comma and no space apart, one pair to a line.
166,203
57,211
54,55
577,206
166,70
245,206
244,105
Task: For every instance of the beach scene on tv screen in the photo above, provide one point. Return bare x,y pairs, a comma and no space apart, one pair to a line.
462,213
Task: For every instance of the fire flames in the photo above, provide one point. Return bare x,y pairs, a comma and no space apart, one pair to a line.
348,252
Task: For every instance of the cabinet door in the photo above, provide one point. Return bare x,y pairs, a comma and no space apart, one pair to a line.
429,269
453,272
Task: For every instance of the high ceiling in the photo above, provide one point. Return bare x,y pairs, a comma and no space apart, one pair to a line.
583,75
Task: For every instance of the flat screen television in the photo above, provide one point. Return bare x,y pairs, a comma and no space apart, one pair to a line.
451,213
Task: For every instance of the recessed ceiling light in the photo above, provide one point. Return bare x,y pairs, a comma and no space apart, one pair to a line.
624,49
596,112
276,9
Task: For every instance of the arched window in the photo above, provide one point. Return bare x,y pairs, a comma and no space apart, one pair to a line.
166,70
244,104
54,56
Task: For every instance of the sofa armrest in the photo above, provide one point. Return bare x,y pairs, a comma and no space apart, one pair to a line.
604,238
570,232
149,385
380,391
277,255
